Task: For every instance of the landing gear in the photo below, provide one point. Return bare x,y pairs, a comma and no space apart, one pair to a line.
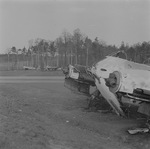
97,102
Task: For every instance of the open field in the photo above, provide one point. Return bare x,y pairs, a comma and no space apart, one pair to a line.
44,115
30,73
11,66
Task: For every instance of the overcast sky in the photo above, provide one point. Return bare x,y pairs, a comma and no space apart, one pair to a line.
112,21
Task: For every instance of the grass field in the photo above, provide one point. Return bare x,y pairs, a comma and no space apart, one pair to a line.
30,73
48,116
11,66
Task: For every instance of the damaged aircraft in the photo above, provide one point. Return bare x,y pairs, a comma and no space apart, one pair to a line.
121,82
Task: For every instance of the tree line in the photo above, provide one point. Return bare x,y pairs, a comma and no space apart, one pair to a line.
75,48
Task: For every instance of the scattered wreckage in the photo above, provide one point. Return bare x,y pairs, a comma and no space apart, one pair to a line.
47,68
121,82
29,68
51,68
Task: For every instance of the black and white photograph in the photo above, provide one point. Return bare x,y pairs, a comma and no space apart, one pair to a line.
74,74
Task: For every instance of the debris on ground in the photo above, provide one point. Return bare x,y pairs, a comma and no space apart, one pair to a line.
138,130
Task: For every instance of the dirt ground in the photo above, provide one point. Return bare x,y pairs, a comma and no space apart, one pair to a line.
48,116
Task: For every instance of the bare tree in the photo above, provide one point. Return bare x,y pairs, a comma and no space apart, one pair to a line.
87,44
78,42
66,38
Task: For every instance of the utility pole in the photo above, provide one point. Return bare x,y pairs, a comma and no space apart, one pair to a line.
57,59
76,57
87,57
71,56
38,57
17,59
8,61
